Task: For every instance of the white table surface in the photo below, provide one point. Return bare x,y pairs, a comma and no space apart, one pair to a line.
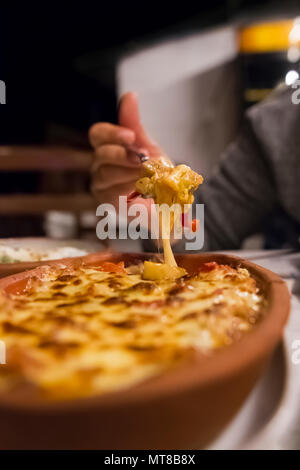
281,430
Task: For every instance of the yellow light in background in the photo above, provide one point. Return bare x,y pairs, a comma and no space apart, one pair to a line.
252,95
269,36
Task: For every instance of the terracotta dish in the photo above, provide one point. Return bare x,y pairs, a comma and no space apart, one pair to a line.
182,409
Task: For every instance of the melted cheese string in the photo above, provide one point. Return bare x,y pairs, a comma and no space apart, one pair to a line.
168,253
166,226
168,185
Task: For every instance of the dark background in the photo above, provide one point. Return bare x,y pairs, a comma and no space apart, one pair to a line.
58,62
43,47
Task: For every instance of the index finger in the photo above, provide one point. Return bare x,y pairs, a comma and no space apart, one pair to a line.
103,133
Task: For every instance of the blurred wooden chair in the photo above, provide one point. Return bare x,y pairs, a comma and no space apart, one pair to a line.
46,160
62,181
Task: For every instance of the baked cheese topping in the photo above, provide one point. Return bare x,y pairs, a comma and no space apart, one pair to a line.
86,331
168,186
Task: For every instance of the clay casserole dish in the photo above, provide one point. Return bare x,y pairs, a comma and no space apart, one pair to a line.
182,409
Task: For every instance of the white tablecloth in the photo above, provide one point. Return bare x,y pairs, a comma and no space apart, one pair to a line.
282,429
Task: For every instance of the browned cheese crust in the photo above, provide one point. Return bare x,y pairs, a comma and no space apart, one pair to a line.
83,332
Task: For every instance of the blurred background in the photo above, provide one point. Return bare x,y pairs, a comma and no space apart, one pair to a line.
196,68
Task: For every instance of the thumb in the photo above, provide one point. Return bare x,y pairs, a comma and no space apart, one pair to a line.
129,117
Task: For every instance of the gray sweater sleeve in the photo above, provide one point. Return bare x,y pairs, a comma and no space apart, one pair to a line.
240,194
244,189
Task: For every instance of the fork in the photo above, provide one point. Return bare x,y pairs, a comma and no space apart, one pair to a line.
137,151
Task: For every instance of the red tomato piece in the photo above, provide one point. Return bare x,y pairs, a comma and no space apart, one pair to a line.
112,267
